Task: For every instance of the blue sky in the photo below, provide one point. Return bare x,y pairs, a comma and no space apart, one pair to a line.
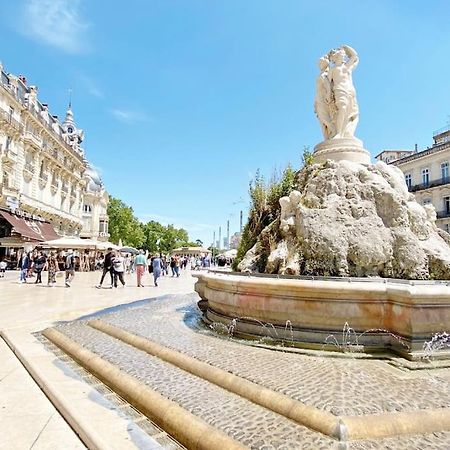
182,101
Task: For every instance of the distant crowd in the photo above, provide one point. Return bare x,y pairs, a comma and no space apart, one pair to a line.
114,264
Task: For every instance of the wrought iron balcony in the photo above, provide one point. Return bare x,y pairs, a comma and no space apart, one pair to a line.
6,118
29,166
32,139
430,184
443,214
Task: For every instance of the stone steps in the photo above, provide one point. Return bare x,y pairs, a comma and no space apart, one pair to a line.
204,414
252,395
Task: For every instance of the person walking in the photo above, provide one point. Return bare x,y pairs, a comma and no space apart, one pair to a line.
172,265
156,264
3,266
39,263
70,267
140,265
52,268
177,265
107,268
23,265
119,269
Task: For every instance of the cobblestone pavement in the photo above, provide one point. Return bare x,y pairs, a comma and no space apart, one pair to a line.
341,385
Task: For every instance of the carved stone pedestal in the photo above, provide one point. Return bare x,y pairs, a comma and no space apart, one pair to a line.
338,149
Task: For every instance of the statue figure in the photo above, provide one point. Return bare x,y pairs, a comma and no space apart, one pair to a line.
335,104
323,100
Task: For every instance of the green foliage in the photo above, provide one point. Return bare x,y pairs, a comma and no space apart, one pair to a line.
123,225
264,208
151,236
307,157
160,238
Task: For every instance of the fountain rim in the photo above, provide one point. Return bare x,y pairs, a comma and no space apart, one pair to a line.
398,281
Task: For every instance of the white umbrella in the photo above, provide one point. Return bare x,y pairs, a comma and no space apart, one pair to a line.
105,245
70,242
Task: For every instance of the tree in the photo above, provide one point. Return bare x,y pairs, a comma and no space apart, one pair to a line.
123,225
264,206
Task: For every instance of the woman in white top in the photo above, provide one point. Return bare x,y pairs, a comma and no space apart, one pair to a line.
119,267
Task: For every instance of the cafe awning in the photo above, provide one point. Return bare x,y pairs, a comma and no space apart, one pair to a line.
67,242
34,230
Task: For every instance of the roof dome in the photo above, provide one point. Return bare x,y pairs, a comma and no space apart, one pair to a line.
95,183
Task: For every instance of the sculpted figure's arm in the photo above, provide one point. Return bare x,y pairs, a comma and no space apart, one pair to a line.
352,56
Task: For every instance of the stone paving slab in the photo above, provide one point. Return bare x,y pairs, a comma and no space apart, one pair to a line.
342,386
29,308
244,421
38,423
358,386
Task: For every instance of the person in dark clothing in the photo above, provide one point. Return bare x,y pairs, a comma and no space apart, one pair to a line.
23,265
107,267
39,263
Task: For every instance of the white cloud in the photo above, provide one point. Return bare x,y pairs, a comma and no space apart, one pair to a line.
91,86
129,116
57,23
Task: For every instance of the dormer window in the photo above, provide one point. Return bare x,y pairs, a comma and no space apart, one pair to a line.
70,130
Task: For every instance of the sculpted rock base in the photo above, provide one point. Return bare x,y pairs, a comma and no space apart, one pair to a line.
351,219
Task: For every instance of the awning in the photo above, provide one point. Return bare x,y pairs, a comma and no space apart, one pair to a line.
70,242
31,229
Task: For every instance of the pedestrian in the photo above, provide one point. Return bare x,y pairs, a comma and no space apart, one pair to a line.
172,265
69,267
3,265
177,265
39,263
119,269
107,268
52,268
164,265
140,264
23,265
156,264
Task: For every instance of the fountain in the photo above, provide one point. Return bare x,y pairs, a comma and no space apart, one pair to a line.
350,244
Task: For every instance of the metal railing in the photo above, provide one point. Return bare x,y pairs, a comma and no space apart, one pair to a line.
443,214
441,131
6,117
430,184
29,167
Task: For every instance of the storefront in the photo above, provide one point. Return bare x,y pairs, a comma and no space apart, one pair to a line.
20,231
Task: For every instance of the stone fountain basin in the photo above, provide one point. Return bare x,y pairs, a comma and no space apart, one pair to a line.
413,311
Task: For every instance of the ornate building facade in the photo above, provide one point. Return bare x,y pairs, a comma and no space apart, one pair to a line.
45,179
427,174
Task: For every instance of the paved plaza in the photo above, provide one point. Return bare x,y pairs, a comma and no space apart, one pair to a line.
339,384
28,419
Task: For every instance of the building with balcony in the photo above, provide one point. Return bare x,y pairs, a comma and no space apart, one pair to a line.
427,174
44,176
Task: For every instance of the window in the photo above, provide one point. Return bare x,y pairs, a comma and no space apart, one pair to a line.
11,112
444,171
70,130
408,180
447,205
447,227
8,142
425,177
87,208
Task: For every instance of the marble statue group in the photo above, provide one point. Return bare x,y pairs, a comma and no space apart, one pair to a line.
335,103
